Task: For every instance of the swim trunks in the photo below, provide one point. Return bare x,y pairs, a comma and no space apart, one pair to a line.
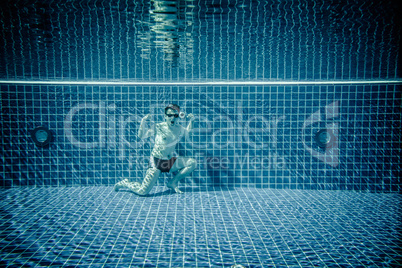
161,164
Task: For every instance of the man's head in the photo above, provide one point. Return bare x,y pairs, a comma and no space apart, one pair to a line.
171,114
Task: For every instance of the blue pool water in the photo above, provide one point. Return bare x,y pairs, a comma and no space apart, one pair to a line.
200,40
297,132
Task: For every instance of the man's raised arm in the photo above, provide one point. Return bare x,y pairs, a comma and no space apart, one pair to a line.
144,133
190,124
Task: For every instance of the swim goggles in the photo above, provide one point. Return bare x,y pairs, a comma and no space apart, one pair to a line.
175,115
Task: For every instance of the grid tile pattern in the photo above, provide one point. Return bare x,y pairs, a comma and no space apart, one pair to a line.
219,227
256,136
198,40
243,136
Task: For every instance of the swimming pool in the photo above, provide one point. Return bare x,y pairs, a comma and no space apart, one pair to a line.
206,227
289,97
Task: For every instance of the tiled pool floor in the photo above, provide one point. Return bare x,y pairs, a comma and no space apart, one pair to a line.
215,227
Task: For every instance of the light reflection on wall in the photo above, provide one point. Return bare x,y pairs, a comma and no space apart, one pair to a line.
173,21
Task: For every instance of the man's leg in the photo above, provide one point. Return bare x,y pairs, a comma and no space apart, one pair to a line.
184,166
143,188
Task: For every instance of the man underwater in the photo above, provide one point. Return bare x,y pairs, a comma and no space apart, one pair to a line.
168,134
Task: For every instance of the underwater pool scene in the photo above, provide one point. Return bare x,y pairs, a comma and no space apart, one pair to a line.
296,133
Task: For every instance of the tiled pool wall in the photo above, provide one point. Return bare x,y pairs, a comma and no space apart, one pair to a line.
200,40
261,136
247,136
